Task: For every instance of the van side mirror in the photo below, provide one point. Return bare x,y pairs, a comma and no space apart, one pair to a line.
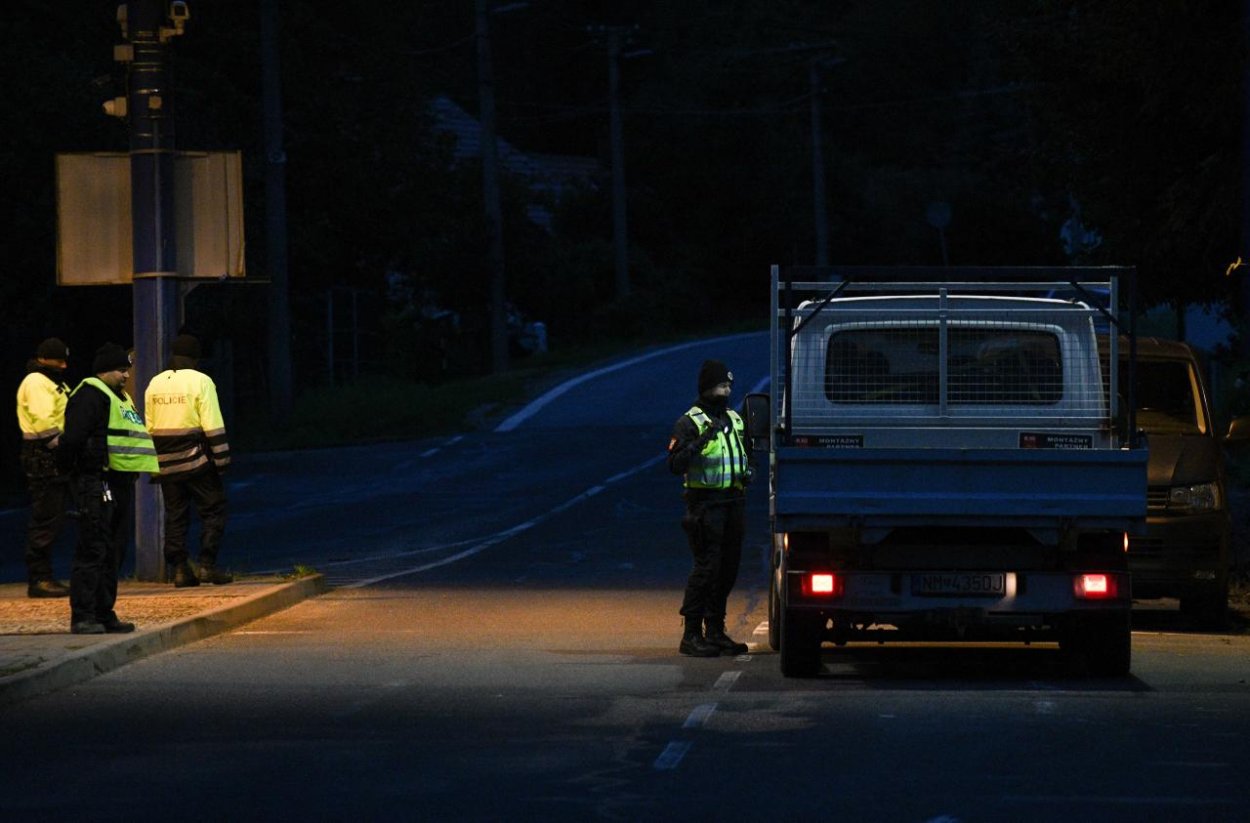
1238,431
758,419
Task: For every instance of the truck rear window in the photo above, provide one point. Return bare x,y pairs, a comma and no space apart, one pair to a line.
985,366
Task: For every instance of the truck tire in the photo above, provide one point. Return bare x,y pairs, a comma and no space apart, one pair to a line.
1103,641
800,645
774,614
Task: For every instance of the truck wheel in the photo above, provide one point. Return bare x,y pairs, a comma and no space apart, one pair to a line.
774,614
1104,641
800,645
1208,610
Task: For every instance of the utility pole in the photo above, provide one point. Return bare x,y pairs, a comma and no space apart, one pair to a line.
148,25
280,392
1241,271
490,192
620,234
820,208
616,37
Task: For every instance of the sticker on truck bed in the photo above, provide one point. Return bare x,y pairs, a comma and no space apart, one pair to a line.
829,441
1044,440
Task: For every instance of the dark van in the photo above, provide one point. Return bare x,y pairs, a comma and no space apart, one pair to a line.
1185,552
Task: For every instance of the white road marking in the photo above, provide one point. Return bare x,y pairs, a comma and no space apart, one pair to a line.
726,681
699,715
672,755
761,629
534,406
431,452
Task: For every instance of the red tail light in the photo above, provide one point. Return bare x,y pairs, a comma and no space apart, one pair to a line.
1096,586
822,584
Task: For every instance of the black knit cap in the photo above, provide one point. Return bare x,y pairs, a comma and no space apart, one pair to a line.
110,357
187,345
712,373
52,349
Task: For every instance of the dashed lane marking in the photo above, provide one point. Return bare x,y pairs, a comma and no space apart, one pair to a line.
672,755
699,715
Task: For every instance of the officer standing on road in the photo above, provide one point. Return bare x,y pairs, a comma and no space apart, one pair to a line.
104,446
41,401
710,448
185,421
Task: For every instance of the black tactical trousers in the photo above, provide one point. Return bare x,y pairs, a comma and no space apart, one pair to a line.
105,510
714,531
47,516
205,491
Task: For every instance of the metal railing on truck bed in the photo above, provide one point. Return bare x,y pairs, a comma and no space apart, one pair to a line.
901,356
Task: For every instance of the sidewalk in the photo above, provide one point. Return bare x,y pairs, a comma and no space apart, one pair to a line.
39,655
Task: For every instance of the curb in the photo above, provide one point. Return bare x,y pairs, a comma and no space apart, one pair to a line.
104,657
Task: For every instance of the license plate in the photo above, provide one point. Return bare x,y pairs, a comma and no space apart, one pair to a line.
989,584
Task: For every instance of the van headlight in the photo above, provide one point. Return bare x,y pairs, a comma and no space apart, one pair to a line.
1200,497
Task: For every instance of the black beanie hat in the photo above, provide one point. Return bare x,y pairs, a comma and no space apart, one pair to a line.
187,345
712,373
110,357
52,349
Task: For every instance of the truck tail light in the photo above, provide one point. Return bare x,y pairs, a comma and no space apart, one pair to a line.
1096,586
823,584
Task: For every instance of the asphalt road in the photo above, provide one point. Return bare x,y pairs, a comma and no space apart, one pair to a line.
502,646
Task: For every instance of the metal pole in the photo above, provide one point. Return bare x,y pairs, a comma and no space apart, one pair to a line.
280,390
155,296
490,192
620,234
330,333
820,217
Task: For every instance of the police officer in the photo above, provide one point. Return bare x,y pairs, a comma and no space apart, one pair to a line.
710,448
41,417
103,448
185,421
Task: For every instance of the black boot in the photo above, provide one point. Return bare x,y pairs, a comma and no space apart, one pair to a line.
692,642
209,574
184,576
722,642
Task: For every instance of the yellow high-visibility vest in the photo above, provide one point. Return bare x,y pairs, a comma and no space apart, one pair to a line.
129,445
723,462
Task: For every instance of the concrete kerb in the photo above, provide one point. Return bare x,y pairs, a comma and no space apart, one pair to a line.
98,659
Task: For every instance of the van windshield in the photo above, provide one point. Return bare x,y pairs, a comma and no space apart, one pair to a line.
1168,401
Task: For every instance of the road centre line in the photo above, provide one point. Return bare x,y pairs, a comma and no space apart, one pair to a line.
699,715
501,536
534,406
672,755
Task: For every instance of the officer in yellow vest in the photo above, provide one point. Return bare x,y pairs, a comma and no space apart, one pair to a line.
41,417
184,418
104,446
710,448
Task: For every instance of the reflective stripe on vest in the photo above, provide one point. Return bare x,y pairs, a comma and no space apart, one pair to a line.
723,462
129,445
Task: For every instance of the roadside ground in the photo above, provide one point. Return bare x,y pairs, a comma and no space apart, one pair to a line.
39,655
